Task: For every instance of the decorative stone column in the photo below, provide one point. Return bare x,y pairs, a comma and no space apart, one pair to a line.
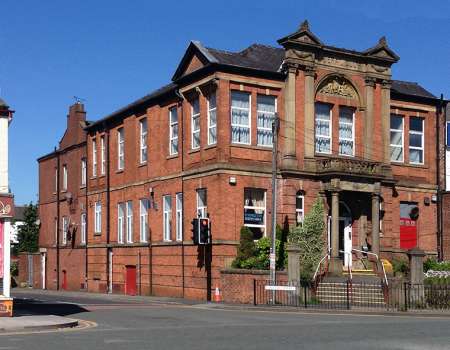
417,291
386,119
335,268
309,73
293,251
289,156
368,119
375,223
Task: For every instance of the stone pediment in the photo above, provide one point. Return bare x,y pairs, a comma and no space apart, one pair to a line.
302,36
382,50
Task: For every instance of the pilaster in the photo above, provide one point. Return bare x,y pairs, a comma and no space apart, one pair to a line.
369,120
385,118
289,156
309,73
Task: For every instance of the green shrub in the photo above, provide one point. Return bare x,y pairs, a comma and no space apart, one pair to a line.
433,264
253,255
310,238
14,269
400,266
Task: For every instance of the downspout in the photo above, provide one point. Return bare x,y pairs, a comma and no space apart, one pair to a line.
108,248
180,95
438,178
57,217
86,213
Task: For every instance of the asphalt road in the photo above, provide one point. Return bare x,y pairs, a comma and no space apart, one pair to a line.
132,324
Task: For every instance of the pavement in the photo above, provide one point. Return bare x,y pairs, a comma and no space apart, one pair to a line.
35,322
122,322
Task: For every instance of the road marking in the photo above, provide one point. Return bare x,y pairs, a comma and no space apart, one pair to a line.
82,325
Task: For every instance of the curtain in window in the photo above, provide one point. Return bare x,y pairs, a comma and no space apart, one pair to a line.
240,119
323,132
266,113
346,131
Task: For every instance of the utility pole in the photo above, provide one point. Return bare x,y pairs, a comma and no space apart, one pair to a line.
275,129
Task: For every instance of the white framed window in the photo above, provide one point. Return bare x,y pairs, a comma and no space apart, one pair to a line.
120,149
212,119
202,203
299,208
143,140
179,216
167,219
143,220
83,228
266,109
255,211
120,222
65,228
416,140
102,155
94,158
397,130
346,131
240,117
98,217
83,172
323,128
173,131
195,123
64,182
129,222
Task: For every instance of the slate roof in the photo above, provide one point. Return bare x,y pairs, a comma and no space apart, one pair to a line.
410,88
268,58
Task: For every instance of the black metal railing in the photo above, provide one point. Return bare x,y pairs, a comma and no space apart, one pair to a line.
355,296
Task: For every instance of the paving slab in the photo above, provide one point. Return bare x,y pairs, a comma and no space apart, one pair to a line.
35,322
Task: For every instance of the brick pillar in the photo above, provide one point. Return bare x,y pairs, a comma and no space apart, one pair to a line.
335,262
293,251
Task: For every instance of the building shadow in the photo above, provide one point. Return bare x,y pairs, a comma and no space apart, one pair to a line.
29,307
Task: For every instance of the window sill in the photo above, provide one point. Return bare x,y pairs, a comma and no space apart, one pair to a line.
143,164
210,146
257,148
120,171
409,165
196,150
172,156
97,233
82,187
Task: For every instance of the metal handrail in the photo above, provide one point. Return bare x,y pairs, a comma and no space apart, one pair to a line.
378,259
320,263
349,267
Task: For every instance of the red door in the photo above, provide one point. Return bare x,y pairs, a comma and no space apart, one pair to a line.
64,281
130,284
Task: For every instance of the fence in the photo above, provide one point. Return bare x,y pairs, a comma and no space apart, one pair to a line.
355,296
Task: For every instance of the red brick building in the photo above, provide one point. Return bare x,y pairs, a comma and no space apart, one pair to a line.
118,196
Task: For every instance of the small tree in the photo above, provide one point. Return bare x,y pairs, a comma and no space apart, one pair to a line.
310,238
247,247
28,233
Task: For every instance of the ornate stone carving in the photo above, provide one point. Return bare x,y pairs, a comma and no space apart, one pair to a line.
337,86
338,62
370,81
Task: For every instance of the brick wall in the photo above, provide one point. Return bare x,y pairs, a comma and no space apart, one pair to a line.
237,284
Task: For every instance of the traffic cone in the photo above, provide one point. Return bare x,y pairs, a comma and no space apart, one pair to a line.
217,297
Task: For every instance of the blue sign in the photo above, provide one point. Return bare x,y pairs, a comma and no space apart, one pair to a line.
254,218
448,134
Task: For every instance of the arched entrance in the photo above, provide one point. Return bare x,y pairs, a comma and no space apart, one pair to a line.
345,233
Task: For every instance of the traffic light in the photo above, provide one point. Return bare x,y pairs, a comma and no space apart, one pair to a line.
200,231
195,230
204,231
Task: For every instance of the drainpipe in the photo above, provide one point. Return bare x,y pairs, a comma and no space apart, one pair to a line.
57,217
108,248
86,213
438,177
180,95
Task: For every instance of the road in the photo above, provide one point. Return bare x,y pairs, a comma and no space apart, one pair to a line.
126,323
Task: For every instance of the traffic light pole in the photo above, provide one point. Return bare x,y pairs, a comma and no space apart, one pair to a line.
275,128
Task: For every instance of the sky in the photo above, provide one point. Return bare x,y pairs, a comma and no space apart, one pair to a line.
110,53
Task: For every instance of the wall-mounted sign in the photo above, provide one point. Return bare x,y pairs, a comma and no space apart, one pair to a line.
253,218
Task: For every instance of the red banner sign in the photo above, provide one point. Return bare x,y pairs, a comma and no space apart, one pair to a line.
6,206
408,233
2,229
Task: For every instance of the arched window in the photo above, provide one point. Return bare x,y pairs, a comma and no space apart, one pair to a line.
299,207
